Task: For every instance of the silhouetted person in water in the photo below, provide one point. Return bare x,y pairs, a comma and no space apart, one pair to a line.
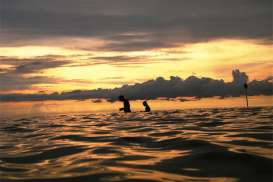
126,104
147,107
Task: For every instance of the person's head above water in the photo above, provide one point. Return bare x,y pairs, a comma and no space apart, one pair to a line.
147,107
145,103
121,98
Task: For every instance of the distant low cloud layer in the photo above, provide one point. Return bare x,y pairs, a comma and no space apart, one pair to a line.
175,87
134,24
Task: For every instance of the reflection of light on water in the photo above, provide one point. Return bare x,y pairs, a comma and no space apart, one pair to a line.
185,145
75,106
140,174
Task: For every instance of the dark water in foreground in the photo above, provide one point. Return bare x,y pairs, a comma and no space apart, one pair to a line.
191,145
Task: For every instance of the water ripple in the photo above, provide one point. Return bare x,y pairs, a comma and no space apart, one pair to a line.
231,144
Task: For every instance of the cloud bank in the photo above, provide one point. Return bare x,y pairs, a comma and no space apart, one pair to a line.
160,87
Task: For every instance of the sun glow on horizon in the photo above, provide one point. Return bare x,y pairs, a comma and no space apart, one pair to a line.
77,106
89,69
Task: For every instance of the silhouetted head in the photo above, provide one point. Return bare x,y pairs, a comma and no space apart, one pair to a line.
145,103
121,98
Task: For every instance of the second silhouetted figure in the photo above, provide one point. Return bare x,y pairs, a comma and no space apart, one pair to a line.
126,104
147,107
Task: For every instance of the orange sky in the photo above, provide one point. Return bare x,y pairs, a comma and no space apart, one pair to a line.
108,69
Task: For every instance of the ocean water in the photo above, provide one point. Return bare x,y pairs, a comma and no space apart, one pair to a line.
230,144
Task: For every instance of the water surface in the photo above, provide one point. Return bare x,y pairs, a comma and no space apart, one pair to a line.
231,144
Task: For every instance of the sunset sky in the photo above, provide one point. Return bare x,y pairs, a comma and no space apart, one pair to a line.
64,45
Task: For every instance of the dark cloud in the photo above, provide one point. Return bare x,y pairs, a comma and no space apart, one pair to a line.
158,88
20,82
20,76
137,45
135,24
36,66
120,61
30,65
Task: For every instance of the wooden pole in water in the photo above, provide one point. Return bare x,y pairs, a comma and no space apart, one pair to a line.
246,87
